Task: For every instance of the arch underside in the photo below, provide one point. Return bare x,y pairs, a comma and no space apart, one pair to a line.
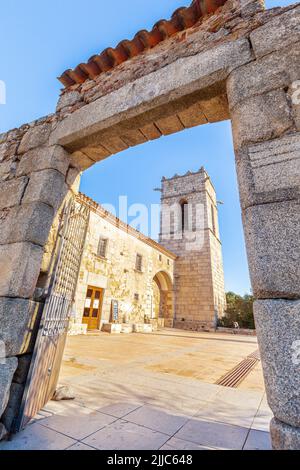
163,302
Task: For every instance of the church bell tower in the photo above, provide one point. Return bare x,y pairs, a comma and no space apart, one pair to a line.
190,229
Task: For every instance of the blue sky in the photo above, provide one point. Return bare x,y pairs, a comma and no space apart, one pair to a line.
39,40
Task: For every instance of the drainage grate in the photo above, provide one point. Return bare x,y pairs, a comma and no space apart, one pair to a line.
234,377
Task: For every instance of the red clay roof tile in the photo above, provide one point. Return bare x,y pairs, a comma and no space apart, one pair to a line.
183,18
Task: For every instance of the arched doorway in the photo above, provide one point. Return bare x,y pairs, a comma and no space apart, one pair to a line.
162,300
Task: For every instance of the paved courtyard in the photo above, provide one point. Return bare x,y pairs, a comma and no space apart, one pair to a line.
153,392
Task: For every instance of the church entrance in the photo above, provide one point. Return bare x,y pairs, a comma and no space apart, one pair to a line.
162,300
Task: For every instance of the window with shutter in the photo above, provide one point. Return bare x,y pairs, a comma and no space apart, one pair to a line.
102,247
139,263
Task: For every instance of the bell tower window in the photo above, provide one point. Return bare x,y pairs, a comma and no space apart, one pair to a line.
184,215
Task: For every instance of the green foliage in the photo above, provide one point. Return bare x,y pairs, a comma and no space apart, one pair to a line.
239,309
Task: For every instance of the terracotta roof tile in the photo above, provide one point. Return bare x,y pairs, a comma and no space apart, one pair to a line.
183,18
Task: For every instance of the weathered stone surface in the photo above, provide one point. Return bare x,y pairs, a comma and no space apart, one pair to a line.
276,164
294,96
190,117
130,137
203,36
11,192
16,135
51,241
26,223
81,161
68,99
8,169
272,240
269,171
249,7
7,371
277,70
152,132
3,432
51,158
18,318
7,150
98,153
277,327
109,274
280,32
64,394
284,437
114,144
48,187
19,266
73,179
296,115
215,109
192,264
260,118
35,137
13,406
180,78
169,125
3,137
21,373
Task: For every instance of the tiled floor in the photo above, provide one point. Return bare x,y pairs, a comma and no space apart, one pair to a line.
122,403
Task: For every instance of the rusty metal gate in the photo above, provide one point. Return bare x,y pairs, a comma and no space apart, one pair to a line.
49,347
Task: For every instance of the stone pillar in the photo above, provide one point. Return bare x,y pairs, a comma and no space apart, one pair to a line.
34,180
265,119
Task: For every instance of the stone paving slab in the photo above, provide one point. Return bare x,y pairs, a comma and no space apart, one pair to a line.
124,436
37,437
223,412
178,444
157,419
213,434
120,409
126,405
258,440
78,425
81,446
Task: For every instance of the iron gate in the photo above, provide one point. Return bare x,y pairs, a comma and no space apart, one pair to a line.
49,347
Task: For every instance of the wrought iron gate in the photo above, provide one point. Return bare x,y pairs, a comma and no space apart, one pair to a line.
49,347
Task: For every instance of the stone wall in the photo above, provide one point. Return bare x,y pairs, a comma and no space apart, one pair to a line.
170,65
34,180
264,110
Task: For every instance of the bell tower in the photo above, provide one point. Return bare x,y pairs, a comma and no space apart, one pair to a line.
190,229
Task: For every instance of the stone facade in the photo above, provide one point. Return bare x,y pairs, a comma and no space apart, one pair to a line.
242,63
181,282
190,200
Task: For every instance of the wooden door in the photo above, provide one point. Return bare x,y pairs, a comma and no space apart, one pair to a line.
49,346
93,308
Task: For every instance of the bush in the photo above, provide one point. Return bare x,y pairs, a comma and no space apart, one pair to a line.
239,309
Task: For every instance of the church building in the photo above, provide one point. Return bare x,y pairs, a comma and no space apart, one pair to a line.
131,283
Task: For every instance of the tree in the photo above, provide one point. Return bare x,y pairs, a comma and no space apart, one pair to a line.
239,309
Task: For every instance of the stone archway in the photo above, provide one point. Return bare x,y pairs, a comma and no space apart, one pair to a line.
163,299
245,70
